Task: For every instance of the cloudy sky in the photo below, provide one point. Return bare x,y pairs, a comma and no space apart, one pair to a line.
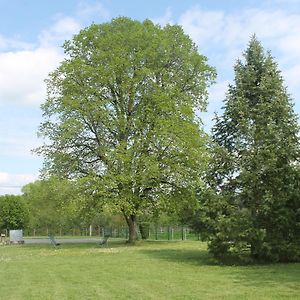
32,32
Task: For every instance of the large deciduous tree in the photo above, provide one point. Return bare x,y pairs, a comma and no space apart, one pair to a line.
255,165
121,114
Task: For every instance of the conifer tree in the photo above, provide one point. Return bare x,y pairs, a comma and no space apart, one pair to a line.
255,165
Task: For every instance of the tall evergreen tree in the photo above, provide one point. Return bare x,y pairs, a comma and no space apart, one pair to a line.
254,165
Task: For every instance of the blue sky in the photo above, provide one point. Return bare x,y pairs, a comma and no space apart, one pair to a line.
32,31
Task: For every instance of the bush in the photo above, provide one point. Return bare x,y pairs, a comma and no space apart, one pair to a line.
14,212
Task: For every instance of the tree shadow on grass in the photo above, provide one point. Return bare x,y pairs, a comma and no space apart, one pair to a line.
285,276
193,257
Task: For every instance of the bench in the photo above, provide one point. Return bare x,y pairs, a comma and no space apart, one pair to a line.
104,241
53,241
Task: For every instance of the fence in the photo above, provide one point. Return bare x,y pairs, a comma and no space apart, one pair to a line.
151,232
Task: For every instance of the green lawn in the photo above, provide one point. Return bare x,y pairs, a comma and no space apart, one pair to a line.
150,270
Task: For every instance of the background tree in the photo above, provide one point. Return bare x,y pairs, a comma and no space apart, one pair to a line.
52,204
254,165
120,114
13,212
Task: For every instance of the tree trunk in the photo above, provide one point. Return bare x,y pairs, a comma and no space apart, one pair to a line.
132,226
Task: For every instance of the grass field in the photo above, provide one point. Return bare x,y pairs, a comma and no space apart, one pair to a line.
150,270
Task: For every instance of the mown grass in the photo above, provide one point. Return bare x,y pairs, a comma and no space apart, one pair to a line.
150,270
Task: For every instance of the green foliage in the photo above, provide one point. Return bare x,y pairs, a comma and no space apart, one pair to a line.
255,166
13,212
120,115
52,203
61,205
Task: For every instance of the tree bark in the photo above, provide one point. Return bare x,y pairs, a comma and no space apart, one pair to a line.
132,226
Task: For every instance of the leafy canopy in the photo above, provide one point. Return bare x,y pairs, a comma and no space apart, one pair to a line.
121,113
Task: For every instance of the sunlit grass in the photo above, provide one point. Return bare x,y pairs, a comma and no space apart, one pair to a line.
149,270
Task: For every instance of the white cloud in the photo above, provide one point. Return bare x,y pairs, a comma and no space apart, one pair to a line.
209,28
203,26
165,19
290,45
7,44
25,66
291,76
223,36
284,2
64,28
12,183
90,10
22,74
16,179
19,146
23,69
217,94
